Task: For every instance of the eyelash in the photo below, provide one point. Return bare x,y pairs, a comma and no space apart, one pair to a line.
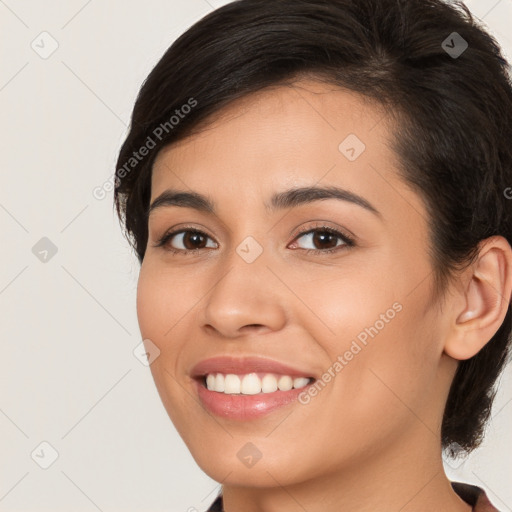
347,241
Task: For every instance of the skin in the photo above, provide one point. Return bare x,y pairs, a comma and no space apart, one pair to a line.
370,440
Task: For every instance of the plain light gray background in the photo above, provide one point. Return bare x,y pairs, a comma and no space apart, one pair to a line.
68,375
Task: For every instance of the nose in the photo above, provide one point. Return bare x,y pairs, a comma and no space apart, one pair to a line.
246,298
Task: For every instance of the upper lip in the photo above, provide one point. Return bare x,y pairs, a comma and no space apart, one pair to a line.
245,365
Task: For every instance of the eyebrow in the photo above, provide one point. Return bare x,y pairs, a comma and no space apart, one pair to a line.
287,199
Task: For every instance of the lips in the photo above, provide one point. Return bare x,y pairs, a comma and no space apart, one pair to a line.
234,403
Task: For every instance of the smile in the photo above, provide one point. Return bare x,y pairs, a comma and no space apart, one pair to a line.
253,383
247,388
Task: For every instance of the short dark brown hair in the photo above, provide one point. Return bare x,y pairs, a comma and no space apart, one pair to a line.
454,139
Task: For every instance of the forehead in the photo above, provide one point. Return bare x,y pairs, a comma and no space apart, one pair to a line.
286,136
270,117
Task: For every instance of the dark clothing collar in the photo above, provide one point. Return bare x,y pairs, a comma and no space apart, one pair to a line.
471,494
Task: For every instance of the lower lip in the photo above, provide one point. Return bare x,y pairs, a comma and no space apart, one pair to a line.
246,407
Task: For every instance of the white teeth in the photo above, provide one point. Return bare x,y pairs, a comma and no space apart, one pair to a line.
210,381
218,384
300,382
269,384
251,384
285,383
232,384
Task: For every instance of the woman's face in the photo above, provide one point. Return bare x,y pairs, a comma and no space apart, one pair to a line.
259,289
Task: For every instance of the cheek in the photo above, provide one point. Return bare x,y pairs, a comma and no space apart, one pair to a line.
145,300
150,313
161,302
159,310
378,330
389,382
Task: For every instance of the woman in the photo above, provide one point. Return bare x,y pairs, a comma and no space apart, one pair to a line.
317,194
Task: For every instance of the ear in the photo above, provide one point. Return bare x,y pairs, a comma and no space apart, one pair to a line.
482,301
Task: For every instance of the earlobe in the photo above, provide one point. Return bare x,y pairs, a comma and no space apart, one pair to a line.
486,299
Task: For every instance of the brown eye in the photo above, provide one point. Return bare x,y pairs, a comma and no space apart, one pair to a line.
189,241
193,240
185,240
324,240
